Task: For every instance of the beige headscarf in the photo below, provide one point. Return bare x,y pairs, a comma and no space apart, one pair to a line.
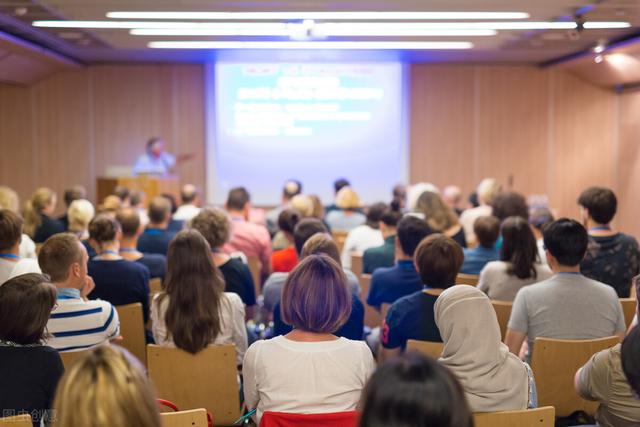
492,377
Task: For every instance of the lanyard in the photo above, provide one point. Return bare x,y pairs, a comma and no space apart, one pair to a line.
600,228
10,256
129,250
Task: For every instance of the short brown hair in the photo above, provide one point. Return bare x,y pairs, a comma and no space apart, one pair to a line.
315,297
321,243
129,220
214,225
26,302
103,229
57,254
438,259
159,210
487,230
10,229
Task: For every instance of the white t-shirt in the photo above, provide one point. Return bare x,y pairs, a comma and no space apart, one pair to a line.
359,240
233,330
186,212
282,375
10,269
27,248
468,218
499,285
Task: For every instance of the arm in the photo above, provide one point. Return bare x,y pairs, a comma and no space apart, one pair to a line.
518,326
251,396
239,328
514,341
112,323
390,336
592,381
346,251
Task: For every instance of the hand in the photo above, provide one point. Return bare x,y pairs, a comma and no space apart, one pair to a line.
89,285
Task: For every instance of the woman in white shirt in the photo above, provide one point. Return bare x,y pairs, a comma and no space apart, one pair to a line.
309,370
193,311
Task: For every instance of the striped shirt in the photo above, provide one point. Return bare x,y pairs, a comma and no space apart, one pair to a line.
76,324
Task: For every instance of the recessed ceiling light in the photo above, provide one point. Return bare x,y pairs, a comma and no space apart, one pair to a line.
348,45
606,24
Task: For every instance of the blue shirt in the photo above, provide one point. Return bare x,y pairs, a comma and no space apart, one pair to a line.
390,284
155,241
475,259
150,164
156,263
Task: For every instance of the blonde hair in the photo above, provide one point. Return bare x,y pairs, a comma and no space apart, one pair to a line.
303,204
318,209
348,199
487,190
438,215
42,198
80,214
105,388
110,204
8,199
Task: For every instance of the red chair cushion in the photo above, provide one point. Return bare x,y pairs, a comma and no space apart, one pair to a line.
335,419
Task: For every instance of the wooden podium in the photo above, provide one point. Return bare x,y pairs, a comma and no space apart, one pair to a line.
151,186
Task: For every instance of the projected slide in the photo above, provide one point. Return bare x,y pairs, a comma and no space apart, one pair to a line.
313,122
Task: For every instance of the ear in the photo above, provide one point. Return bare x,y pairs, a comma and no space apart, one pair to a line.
75,269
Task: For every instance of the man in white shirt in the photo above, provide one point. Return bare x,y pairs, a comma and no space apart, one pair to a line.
76,323
155,160
190,206
11,264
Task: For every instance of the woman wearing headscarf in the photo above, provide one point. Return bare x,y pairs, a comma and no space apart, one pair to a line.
493,379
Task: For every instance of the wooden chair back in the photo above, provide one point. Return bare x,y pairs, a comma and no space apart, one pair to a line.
155,285
132,330
539,417
503,312
255,267
23,420
356,264
372,317
339,237
467,279
629,306
555,363
69,358
428,348
208,379
191,418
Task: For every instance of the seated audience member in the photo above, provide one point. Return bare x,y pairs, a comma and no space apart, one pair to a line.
284,260
9,200
612,257
568,305
290,189
251,239
338,185
391,283
384,255
486,191
493,379
214,225
137,202
124,194
132,229
39,223
414,381
438,259
415,191
519,263
110,205
440,217
156,236
630,361
301,203
509,203
77,192
79,215
117,280
75,323
472,200
348,215
194,311
322,243
174,224
310,370
273,286
538,219
29,369
399,196
365,236
487,230
108,387
190,207
452,196
11,264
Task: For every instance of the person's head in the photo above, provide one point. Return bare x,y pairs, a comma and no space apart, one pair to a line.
321,243
129,220
76,192
110,205
80,214
414,390
104,231
42,202
510,203
630,357
452,196
189,194
107,387
487,190
347,199
123,193
160,212
389,221
374,214
172,202
339,184
599,204
238,200
566,242
318,209
214,226
303,204
9,199
487,230
438,215
411,231
315,297
136,199
416,190
540,217
519,247
473,200
64,259
438,259
291,188
399,195
306,228
26,302
194,286
287,221
10,230
155,146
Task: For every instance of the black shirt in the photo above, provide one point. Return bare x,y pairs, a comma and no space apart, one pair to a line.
238,279
410,318
29,379
155,241
48,228
156,263
460,238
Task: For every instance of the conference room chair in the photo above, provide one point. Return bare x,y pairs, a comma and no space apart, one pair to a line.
372,317
555,363
191,418
208,379
428,348
467,279
255,267
132,330
503,312
356,264
23,420
155,285
334,419
539,417
629,306
69,358
339,237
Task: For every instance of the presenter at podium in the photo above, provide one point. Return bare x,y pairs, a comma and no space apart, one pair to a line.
155,160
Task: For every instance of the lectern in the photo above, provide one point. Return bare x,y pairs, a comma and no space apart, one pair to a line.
151,186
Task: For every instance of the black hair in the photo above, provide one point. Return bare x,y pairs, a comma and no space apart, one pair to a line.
238,198
601,203
375,213
306,228
288,219
567,240
392,216
519,247
411,231
473,199
630,357
339,184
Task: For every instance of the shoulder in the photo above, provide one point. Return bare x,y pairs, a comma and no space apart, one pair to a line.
383,272
24,266
495,267
408,302
628,240
233,298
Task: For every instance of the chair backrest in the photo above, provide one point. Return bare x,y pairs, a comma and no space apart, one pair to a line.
428,348
132,330
372,317
255,267
629,306
335,419
555,363
467,279
356,264
208,379
339,237
69,358
155,285
503,312
17,421
192,418
539,417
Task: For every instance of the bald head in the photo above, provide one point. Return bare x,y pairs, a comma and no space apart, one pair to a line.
188,194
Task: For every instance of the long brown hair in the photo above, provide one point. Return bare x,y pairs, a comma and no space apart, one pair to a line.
194,286
438,215
519,247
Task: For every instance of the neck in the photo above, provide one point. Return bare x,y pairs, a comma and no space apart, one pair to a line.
129,242
237,214
110,247
160,226
15,250
566,269
68,284
388,233
597,229
306,336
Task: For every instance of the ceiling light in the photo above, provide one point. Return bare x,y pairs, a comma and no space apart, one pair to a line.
323,29
600,47
598,59
348,45
591,25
